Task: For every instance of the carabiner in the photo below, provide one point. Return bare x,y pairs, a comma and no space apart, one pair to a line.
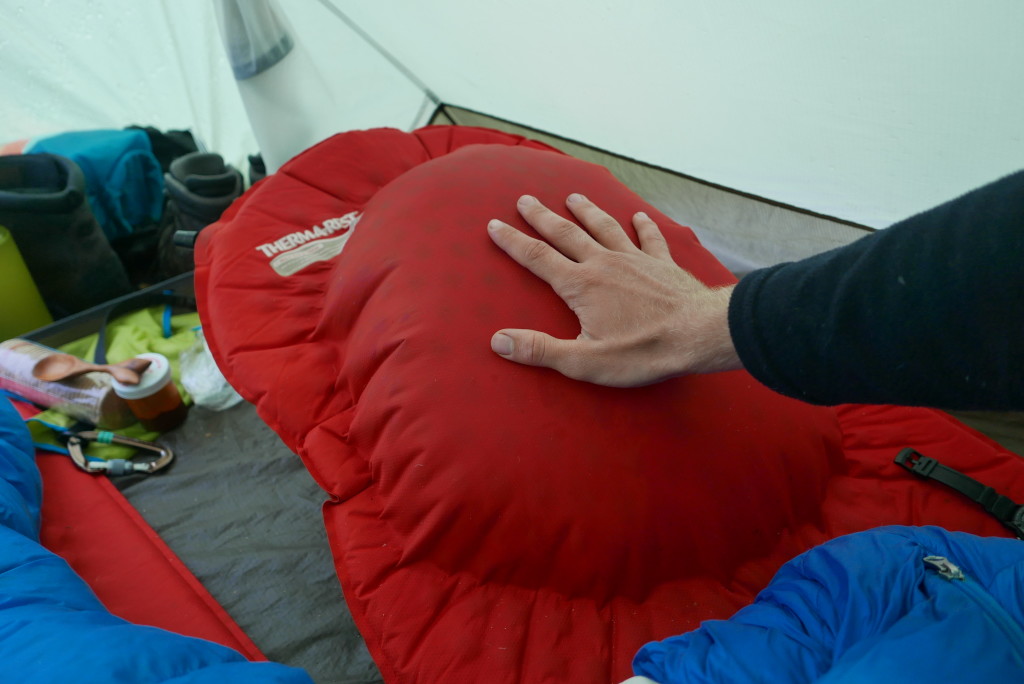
116,466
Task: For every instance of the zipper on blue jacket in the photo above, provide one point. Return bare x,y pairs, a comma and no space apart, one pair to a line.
953,574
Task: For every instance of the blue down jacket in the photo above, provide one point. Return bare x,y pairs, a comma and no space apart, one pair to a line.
52,627
894,604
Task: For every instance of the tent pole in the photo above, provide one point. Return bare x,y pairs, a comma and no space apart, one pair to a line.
405,71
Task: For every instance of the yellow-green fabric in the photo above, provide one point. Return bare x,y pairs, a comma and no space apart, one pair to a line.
127,336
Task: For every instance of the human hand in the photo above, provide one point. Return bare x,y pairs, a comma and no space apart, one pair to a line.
642,318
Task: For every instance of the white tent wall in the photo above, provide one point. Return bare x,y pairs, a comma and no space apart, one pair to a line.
113,63
866,110
69,66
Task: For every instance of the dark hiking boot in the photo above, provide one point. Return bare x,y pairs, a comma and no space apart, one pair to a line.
43,204
257,169
200,186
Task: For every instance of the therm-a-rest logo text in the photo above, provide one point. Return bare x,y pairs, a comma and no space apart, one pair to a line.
295,251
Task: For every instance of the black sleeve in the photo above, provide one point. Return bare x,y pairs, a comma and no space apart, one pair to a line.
928,312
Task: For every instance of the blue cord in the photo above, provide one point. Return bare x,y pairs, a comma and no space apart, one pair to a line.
167,321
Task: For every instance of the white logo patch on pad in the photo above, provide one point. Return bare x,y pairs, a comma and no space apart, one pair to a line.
295,251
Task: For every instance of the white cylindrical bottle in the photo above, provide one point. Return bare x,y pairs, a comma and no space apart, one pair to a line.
286,97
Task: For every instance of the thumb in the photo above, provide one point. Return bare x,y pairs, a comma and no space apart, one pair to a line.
531,348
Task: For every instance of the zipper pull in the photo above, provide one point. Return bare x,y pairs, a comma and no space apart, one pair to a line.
946,570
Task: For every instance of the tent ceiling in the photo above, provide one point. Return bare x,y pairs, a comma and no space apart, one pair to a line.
866,110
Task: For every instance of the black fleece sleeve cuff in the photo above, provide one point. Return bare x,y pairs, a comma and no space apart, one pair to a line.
745,321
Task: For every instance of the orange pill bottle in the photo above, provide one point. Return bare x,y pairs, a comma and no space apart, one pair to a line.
155,401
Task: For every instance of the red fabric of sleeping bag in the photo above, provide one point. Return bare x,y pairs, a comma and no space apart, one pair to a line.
492,522
86,520
90,524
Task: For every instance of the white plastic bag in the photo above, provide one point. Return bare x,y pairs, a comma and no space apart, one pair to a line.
203,380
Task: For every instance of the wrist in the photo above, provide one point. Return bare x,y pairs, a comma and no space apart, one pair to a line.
710,344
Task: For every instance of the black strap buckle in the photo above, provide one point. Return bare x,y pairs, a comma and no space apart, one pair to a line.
916,462
1003,508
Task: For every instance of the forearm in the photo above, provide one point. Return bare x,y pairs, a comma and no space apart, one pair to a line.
927,312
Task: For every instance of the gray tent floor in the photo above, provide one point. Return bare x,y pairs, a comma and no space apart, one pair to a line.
243,514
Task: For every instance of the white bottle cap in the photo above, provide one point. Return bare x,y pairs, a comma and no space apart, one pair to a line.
153,379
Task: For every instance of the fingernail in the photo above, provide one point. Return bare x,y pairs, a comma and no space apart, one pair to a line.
577,197
527,200
494,224
501,344
643,216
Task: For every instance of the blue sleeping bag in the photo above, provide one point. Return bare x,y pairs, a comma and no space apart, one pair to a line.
894,604
53,628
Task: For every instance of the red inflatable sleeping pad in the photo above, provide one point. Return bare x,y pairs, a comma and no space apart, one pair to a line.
499,523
